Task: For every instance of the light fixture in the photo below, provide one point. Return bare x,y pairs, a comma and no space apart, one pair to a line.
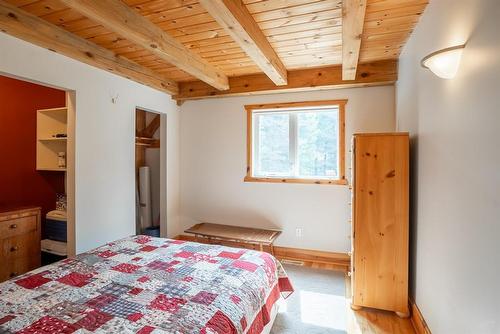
444,63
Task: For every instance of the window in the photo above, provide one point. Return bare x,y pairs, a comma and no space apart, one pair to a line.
300,142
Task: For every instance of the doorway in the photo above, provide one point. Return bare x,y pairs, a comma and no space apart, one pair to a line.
149,176
38,180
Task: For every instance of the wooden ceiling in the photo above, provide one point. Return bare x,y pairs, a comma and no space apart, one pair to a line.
303,33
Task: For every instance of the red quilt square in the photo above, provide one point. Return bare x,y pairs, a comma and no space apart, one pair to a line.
101,301
135,316
148,248
142,239
49,325
75,279
33,281
6,319
135,291
235,299
249,266
146,330
167,304
93,320
220,324
230,255
184,254
126,268
243,322
205,298
107,254
143,279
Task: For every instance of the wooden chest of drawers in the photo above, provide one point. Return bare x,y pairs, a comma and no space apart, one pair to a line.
19,241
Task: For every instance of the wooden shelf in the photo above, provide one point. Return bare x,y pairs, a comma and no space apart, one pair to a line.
53,139
50,122
51,169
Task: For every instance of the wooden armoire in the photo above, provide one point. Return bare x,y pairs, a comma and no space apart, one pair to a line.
379,258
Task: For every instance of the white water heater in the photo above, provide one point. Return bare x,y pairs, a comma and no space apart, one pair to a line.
145,196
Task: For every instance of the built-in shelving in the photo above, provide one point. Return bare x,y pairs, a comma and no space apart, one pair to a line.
49,123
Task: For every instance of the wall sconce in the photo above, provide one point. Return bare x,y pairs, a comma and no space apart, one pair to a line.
444,63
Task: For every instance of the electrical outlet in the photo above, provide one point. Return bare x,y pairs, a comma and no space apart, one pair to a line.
298,232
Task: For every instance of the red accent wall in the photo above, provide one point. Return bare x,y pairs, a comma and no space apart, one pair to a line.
20,183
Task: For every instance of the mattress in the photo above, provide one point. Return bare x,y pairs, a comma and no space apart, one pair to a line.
147,285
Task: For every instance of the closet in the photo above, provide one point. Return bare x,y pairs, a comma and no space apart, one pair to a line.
379,260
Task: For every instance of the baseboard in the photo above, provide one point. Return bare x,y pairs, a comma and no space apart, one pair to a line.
417,320
311,258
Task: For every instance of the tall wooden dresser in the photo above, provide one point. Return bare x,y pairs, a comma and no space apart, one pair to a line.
19,241
379,260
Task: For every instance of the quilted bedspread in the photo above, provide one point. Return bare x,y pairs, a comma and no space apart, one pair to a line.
146,285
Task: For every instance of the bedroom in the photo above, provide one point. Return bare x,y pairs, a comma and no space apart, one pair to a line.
453,189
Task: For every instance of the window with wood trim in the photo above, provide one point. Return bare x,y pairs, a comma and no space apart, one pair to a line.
298,142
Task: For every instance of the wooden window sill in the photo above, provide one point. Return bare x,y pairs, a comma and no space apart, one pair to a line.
303,181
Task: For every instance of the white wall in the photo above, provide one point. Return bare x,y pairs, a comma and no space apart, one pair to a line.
456,158
105,134
213,164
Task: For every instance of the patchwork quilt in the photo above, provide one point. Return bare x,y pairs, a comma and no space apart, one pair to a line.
147,285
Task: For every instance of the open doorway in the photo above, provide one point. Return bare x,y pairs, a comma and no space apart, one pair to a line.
149,162
37,192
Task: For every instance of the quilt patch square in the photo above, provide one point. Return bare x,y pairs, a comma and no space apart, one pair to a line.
106,254
114,289
75,279
174,290
33,281
122,308
101,301
184,271
126,268
159,265
148,248
93,320
185,254
167,304
49,325
204,297
249,266
230,255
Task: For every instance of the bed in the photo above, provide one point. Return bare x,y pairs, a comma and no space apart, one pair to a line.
148,285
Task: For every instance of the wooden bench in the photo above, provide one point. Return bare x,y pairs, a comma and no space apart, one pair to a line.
254,236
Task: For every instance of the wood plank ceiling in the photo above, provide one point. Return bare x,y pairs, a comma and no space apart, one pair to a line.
303,33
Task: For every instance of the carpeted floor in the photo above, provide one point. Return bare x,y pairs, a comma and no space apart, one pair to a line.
318,305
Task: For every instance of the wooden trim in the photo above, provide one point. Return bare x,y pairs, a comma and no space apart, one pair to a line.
287,105
235,18
353,18
118,17
384,72
417,319
292,180
337,261
30,28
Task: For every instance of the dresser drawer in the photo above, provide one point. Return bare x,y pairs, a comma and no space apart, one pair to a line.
19,246
18,226
13,268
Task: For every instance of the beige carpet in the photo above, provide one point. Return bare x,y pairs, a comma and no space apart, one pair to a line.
318,305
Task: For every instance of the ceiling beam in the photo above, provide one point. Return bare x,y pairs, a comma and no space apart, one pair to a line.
126,22
30,28
150,130
353,18
235,18
378,73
